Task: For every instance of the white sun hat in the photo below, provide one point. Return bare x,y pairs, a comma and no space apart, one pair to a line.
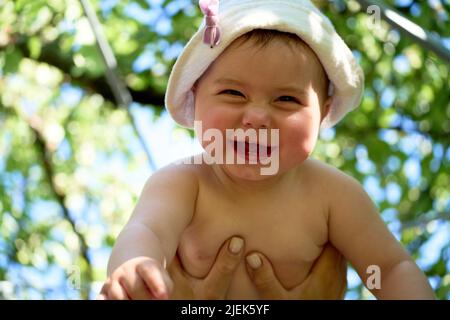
228,20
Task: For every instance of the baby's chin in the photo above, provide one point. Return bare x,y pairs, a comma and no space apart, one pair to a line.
269,169
249,173
246,172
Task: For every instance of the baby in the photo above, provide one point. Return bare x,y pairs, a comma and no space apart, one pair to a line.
278,67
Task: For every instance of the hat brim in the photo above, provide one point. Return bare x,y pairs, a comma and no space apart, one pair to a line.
240,17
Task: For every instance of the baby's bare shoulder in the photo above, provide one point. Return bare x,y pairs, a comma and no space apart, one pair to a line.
189,170
179,174
329,177
337,189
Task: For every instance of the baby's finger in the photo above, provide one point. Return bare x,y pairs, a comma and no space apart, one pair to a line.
117,292
153,278
136,288
222,271
103,294
168,281
264,278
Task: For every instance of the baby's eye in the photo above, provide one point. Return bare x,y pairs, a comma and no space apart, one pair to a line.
288,99
232,92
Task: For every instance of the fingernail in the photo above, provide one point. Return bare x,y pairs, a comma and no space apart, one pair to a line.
235,245
254,261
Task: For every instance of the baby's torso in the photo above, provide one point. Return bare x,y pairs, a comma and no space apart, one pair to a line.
288,226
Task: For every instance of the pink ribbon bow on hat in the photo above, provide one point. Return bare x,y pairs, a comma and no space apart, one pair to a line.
210,9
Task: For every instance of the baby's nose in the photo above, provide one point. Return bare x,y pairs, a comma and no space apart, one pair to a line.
256,117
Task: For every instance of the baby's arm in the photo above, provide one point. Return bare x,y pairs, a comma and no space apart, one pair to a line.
150,239
358,232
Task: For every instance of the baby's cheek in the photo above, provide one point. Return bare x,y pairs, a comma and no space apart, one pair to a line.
213,124
299,144
214,119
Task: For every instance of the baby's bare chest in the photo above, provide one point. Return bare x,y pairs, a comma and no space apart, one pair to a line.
288,230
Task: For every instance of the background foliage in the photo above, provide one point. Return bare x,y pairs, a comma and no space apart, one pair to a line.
71,166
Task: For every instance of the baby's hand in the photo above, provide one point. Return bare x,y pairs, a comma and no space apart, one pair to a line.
140,278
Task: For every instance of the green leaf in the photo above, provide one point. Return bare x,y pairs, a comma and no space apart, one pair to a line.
12,60
35,46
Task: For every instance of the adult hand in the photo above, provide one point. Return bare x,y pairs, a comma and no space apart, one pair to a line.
327,279
215,285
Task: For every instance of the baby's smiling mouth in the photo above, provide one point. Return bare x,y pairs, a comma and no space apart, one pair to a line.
248,149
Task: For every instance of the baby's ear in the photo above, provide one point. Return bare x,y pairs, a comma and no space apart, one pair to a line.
326,108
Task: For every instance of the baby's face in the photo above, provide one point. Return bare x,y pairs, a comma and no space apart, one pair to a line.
280,86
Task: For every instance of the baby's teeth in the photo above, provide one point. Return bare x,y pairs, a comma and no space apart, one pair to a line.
253,148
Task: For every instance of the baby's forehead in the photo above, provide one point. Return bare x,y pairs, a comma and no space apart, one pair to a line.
300,54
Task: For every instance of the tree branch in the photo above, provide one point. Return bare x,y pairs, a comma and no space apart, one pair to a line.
46,156
51,54
423,221
427,40
432,134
